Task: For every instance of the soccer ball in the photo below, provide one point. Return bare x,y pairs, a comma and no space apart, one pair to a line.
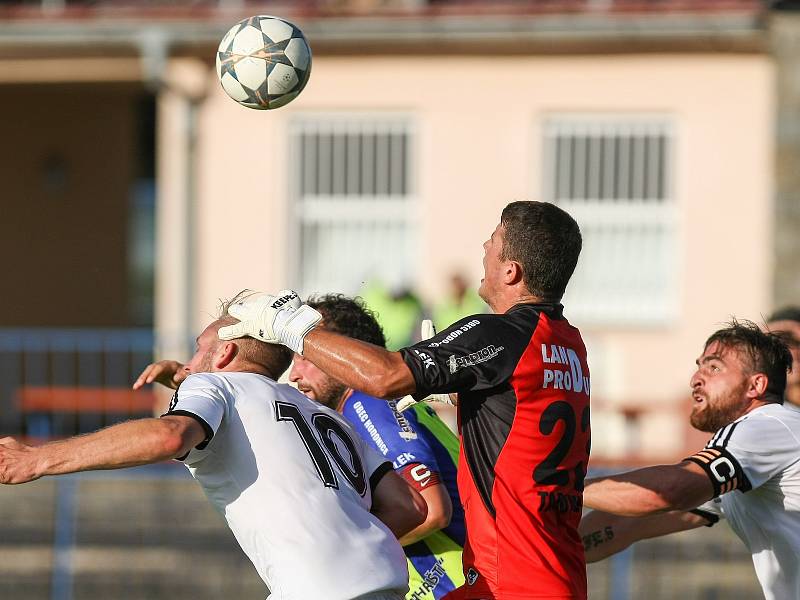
263,62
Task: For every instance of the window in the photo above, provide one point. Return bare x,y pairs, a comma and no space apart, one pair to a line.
614,175
354,201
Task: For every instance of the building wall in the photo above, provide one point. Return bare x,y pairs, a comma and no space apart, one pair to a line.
67,169
478,123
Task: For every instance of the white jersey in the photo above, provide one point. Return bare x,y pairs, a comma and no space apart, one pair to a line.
758,458
293,481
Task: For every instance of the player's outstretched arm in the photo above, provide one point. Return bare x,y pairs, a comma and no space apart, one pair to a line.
359,365
398,505
649,491
128,444
605,534
440,511
169,373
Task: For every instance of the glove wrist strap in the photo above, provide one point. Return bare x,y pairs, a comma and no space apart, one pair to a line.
297,326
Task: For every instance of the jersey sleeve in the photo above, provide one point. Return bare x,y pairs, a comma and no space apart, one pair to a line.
201,398
375,465
475,353
746,453
711,511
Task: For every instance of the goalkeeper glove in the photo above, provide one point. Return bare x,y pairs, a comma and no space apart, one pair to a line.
281,319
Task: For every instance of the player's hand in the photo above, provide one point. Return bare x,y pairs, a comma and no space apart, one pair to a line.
18,462
279,319
169,373
408,401
427,331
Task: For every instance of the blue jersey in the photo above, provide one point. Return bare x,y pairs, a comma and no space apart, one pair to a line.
425,451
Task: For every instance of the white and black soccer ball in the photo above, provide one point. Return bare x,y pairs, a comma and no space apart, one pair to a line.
263,62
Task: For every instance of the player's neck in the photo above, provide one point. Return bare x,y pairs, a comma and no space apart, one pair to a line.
249,367
755,404
347,393
510,299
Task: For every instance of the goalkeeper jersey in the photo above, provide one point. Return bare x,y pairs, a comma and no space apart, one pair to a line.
294,482
425,452
523,400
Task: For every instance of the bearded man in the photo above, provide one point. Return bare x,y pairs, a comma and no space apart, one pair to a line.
748,473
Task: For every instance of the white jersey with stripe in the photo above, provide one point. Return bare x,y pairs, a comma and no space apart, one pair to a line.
757,457
292,479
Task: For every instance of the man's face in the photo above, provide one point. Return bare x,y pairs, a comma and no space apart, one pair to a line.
207,344
719,388
792,329
315,384
492,265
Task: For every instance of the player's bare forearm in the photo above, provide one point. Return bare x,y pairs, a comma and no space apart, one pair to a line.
649,491
605,534
127,444
398,505
359,365
440,511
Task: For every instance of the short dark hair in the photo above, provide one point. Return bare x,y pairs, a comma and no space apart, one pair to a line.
546,241
348,316
765,351
786,313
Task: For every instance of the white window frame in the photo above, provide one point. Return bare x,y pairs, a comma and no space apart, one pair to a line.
619,280
340,208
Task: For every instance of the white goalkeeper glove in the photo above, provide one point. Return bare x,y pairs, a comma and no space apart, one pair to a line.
281,319
427,331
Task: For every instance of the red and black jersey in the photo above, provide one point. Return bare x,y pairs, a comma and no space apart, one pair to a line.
523,387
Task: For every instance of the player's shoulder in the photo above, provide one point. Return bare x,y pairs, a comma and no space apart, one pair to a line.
382,417
770,426
202,381
365,407
234,383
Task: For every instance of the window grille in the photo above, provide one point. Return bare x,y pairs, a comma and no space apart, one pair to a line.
353,201
614,175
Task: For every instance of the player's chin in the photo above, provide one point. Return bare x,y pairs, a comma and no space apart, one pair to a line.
699,406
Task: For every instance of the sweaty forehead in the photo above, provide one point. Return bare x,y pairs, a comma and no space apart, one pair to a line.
723,352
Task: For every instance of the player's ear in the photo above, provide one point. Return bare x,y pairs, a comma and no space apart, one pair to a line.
512,272
225,354
758,385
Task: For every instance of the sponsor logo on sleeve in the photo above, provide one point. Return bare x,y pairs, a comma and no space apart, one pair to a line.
456,363
455,333
403,459
472,576
369,426
427,360
173,402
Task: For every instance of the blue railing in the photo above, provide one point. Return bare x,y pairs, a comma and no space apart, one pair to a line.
93,359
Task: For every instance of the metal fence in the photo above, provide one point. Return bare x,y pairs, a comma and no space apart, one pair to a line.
60,382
